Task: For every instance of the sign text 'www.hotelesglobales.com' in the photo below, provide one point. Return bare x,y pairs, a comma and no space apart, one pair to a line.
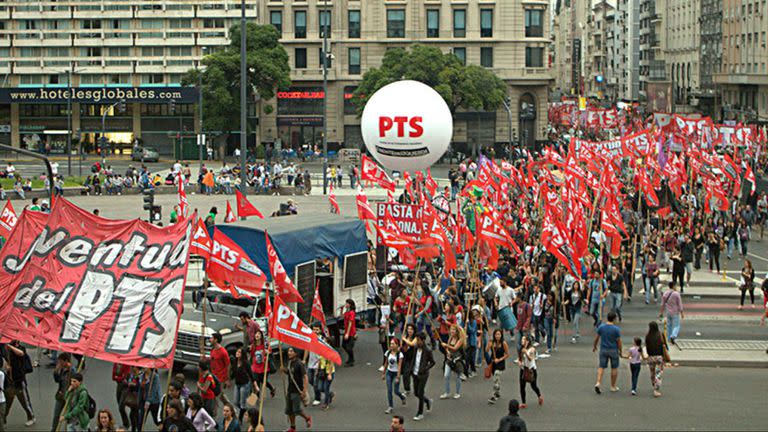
109,289
98,94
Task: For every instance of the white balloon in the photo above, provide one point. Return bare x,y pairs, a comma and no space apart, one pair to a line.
407,126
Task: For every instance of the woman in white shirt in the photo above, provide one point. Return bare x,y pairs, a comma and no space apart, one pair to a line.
393,367
199,416
528,370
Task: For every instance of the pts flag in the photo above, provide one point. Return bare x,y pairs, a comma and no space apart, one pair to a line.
111,289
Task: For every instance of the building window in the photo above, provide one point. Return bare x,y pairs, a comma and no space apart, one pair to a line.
533,20
534,57
433,23
486,22
324,23
354,24
461,54
300,25
300,58
276,19
459,22
152,79
396,23
328,58
354,61
486,57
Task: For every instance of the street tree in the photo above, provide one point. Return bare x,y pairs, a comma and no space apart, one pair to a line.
268,71
461,86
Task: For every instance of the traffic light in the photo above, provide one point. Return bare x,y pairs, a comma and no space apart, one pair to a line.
156,214
149,200
121,105
172,106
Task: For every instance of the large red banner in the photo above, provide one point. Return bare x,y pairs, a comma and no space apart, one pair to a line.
407,217
110,289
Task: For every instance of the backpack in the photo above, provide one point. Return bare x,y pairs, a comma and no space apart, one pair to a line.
27,366
216,387
91,407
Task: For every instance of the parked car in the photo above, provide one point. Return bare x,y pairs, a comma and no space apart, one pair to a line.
145,154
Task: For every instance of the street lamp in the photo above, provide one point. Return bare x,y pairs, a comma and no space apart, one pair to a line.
103,139
243,107
507,102
326,55
69,73
201,137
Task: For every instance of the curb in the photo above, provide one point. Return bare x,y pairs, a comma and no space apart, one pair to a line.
746,364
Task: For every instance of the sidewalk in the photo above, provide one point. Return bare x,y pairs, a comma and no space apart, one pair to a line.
720,353
705,284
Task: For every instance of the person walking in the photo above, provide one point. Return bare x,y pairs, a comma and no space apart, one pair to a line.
206,385
312,361
149,396
244,382
523,327
618,291
220,364
498,353
393,368
173,395
326,371
678,267
657,356
512,421
652,277
20,365
423,361
3,383
199,416
537,300
672,304
61,376
175,420
75,413
597,292
528,371
505,300
350,332
573,301
105,421
549,320
609,338
747,283
228,422
259,367
454,360
298,384
635,357
714,246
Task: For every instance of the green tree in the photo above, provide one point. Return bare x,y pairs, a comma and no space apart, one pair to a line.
467,87
268,70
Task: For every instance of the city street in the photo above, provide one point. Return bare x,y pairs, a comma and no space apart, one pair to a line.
695,398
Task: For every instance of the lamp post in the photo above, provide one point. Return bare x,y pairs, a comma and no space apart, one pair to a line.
70,72
104,130
325,96
243,105
201,137
508,108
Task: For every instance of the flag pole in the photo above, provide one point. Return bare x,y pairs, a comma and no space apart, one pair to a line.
264,380
412,298
151,381
66,401
206,283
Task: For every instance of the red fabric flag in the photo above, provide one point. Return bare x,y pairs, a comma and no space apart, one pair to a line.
244,207
492,231
229,217
201,240
437,233
430,183
749,176
317,306
8,220
332,201
284,287
364,211
555,240
372,172
288,328
230,267
664,212
183,201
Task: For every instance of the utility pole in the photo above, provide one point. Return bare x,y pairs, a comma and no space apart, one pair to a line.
201,136
243,105
69,119
325,96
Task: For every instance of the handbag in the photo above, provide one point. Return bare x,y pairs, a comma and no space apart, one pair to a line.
527,375
252,400
488,372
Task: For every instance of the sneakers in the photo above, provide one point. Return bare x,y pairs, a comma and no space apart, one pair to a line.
597,389
315,402
445,396
573,340
614,389
535,344
492,400
388,410
381,369
402,398
548,351
463,377
30,422
419,417
457,396
429,405
472,374
634,393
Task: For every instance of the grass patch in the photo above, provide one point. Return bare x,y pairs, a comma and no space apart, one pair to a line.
39,184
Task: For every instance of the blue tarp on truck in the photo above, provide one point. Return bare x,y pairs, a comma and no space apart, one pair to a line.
298,239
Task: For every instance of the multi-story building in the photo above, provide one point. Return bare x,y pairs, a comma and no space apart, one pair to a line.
110,49
140,45
509,37
743,78
570,19
596,48
711,55
681,21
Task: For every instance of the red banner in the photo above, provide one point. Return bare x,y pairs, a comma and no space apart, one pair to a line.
230,267
287,327
245,208
8,220
109,289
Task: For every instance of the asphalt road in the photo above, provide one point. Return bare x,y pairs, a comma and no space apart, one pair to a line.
694,398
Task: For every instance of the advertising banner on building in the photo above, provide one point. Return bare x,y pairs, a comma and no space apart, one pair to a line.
110,289
95,95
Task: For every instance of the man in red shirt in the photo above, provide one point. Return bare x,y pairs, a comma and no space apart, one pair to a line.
205,385
220,365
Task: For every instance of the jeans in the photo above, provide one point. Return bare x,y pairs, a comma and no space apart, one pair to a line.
575,317
634,368
548,327
314,380
74,427
392,379
731,243
673,325
325,387
241,395
616,299
537,321
652,283
419,384
58,406
470,365
594,311
447,372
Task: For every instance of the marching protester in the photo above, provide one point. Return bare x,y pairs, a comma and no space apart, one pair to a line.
498,354
326,372
61,376
259,365
220,363
228,422
76,400
609,337
175,419
423,361
16,387
244,382
656,350
173,395
528,371
747,283
105,421
672,305
254,421
393,368
298,384
350,332
207,386
149,396
120,374
196,412
454,360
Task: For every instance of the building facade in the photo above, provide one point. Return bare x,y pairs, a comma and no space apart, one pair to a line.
682,49
107,46
711,55
743,78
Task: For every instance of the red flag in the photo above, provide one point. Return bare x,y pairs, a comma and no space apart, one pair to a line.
284,287
492,231
391,239
229,217
430,183
364,211
288,328
201,241
183,201
749,176
8,220
244,207
332,200
317,306
374,173
437,232
229,266
555,240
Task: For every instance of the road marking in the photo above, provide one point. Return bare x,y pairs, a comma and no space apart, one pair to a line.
757,256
